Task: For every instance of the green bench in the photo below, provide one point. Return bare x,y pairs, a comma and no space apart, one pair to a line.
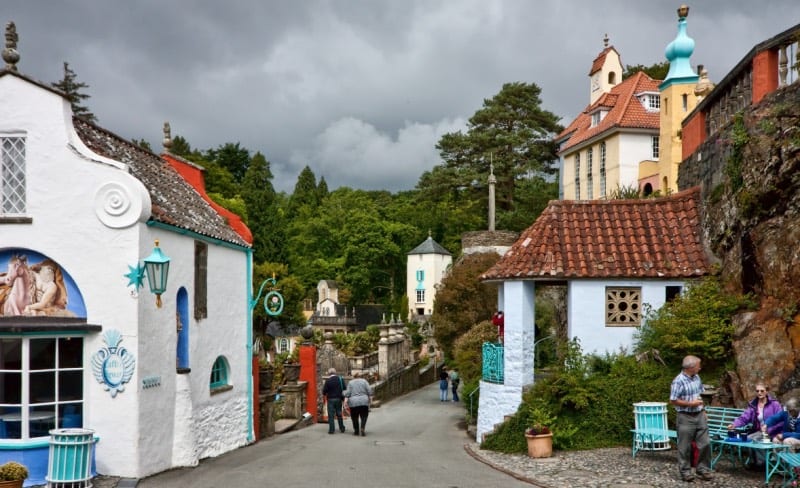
719,418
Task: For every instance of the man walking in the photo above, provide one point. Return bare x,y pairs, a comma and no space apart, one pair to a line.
691,420
333,390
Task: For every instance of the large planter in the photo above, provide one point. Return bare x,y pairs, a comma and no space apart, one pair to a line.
265,377
540,446
11,484
291,373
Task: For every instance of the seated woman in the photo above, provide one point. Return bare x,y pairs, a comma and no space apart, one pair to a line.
791,424
758,409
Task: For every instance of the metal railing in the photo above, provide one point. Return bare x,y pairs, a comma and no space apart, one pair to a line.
493,363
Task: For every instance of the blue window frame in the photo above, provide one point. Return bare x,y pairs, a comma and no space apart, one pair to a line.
219,373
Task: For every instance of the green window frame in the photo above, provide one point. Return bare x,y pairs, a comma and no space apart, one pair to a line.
219,373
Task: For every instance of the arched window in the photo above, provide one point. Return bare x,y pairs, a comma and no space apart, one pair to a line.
612,78
577,176
182,325
647,190
283,345
219,373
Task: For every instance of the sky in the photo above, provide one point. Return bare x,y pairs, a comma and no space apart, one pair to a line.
358,90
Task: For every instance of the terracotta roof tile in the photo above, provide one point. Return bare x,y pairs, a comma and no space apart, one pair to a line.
624,111
174,200
598,62
650,238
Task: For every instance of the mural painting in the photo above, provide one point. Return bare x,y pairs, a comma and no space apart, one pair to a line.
32,284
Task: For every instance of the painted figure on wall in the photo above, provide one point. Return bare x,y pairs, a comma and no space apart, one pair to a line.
18,281
38,289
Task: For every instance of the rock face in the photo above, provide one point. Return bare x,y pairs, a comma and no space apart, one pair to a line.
750,176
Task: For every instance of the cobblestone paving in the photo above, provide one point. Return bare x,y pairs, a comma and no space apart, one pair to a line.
614,467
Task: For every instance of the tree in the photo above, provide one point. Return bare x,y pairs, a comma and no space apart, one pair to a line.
265,217
306,192
72,91
232,157
463,301
511,134
180,147
143,144
656,71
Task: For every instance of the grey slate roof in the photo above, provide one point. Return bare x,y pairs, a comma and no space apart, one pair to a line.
174,201
429,246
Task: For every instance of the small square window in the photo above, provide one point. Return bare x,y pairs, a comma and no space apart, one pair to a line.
623,306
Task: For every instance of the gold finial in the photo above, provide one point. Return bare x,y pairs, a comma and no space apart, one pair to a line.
683,11
167,142
10,54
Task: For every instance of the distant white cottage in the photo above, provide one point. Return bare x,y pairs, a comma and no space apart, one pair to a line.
427,264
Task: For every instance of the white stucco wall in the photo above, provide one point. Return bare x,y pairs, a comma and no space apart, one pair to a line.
74,199
586,312
435,267
633,149
495,402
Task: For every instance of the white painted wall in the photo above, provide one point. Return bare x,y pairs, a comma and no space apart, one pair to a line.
68,197
586,312
633,149
435,267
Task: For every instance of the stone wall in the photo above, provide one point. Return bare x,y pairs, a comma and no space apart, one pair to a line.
498,241
748,174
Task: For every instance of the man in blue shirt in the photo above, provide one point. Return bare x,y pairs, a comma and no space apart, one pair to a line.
691,422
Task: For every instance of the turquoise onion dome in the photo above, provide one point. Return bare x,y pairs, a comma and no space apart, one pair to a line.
679,51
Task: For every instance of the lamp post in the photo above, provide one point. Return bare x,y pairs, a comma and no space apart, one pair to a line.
157,270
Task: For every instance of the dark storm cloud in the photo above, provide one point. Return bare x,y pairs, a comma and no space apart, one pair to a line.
360,91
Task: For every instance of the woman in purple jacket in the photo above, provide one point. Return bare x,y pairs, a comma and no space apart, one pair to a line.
759,408
762,407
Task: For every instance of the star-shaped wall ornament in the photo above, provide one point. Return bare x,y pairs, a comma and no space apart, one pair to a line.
135,275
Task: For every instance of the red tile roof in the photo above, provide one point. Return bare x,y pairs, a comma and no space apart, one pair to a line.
648,238
624,111
600,60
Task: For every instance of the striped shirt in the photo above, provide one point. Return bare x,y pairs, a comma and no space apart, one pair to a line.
685,387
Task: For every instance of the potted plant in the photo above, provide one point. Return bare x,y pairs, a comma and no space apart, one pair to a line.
266,373
539,435
12,474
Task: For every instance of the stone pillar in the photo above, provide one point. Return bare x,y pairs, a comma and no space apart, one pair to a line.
294,401
383,352
266,426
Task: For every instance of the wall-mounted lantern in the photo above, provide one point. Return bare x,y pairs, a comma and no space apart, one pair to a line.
157,270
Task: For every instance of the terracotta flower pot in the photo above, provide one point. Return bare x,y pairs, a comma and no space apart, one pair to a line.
11,484
540,446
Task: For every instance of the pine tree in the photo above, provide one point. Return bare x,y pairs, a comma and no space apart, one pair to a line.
72,90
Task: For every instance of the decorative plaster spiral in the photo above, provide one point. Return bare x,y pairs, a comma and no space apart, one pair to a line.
117,206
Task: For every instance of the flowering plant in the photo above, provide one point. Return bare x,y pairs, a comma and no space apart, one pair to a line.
538,430
13,471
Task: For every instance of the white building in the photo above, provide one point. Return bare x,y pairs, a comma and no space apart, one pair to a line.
615,257
81,345
427,264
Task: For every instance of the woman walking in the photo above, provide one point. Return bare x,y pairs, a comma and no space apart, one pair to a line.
358,397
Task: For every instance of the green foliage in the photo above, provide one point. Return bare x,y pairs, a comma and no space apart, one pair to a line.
231,157
266,220
462,300
656,71
698,322
589,401
235,204
13,471
739,139
72,90
627,192
468,350
359,343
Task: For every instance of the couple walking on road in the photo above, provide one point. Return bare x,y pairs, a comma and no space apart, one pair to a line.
357,397
454,381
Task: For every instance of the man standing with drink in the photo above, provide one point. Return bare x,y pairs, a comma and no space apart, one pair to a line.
691,420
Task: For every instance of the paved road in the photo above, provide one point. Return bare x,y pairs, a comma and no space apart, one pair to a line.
411,441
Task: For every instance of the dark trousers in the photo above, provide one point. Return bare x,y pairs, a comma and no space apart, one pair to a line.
359,416
693,428
455,391
335,410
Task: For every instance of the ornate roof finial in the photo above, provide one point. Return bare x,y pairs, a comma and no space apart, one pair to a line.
704,85
605,40
683,11
10,54
167,142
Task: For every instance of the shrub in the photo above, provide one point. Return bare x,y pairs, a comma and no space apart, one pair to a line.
13,471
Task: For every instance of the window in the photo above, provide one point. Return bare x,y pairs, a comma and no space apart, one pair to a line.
589,179
420,296
685,102
596,119
283,345
654,102
623,306
41,385
655,147
219,373
200,280
672,292
602,170
578,176
420,275
12,176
